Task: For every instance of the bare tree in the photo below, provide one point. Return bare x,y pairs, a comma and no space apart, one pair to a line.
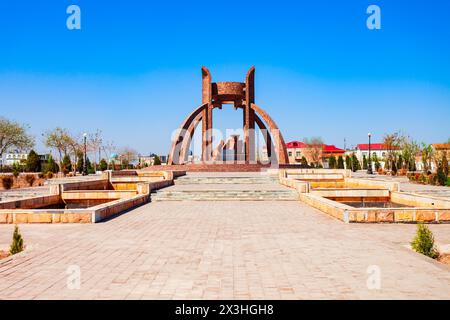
95,144
109,148
127,155
314,149
60,140
13,135
392,143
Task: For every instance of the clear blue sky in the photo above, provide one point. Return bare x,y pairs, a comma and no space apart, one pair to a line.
133,70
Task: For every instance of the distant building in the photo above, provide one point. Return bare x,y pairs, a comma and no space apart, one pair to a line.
297,150
11,158
147,161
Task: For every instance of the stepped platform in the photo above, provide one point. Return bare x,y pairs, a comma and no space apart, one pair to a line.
225,187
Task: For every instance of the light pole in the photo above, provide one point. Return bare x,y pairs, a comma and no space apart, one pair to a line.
85,170
369,167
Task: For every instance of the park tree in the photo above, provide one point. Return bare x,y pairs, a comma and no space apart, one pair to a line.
80,162
13,135
304,162
314,149
332,162
376,162
127,155
348,162
355,163
340,162
156,161
392,143
95,142
427,156
60,140
103,165
66,164
364,162
33,163
50,166
410,149
445,164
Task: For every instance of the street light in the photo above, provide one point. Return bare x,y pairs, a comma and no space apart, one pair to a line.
369,167
85,170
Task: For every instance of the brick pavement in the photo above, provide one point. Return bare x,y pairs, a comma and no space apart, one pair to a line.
221,250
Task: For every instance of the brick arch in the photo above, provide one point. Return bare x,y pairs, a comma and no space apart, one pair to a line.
180,145
280,145
174,155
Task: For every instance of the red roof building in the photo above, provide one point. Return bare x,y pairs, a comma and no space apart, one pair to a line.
298,149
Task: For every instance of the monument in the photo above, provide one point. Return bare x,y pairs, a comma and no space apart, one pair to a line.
242,96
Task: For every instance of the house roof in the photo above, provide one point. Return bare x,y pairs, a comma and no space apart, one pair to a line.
295,144
332,148
441,146
373,146
325,147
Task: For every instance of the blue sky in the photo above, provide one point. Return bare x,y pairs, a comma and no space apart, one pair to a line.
133,70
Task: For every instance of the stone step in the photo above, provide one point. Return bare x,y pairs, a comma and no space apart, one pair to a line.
224,180
211,195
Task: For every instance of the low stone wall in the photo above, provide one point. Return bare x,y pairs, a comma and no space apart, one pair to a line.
31,203
21,182
101,184
300,186
90,215
416,200
352,193
98,194
376,215
108,210
370,183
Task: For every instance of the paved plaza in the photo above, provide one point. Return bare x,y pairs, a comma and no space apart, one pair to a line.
222,250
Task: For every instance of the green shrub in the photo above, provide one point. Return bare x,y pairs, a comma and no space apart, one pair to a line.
7,182
30,179
103,165
17,242
423,242
16,169
441,176
340,163
33,163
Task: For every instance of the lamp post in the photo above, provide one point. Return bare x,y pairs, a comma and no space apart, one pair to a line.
85,170
369,167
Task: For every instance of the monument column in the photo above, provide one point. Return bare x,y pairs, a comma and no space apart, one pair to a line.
206,115
249,117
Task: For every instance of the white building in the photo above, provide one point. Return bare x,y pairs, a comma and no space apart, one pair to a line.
11,158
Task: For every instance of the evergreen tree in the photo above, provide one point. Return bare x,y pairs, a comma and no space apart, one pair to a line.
156,161
364,162
16,169
103,165
33,163
445,164
399,162
332,162
50,166
17,242
304,162
441,176
423,242
66,164
340,163
348,162
89,167
80,162
376,162
355,163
